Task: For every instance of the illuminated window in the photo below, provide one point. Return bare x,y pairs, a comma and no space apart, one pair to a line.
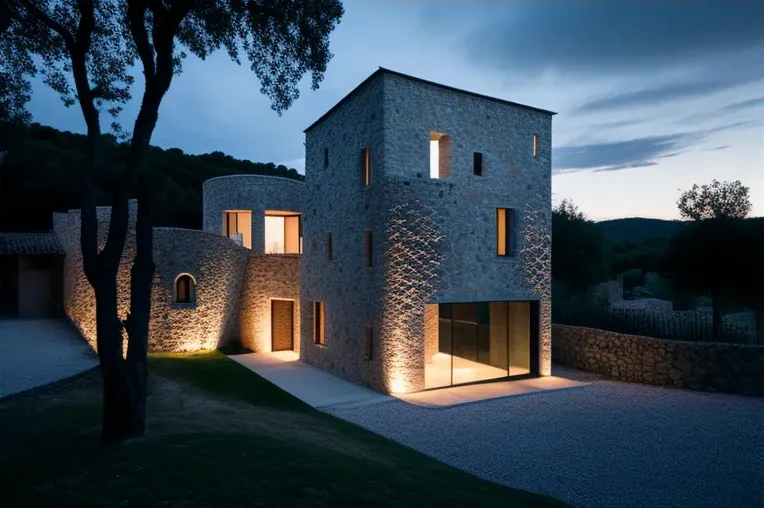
184,289
535,145
318,322
329,247
238,224
477,163
283,232
505,231
326,158
365,166
369,244
440,155
368,343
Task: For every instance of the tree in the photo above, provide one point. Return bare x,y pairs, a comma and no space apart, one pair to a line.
85,50
579,254
726,200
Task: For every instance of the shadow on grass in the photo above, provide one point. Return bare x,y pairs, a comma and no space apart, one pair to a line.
219,435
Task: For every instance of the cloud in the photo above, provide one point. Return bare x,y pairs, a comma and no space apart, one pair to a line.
674,91
614,155
594,37
717,148
738,106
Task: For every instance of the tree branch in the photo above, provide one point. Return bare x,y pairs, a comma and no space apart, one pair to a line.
54,25
136,15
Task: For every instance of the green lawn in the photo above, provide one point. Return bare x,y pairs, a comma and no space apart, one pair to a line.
218,436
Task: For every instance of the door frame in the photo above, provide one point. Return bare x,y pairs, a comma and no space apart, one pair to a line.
292,327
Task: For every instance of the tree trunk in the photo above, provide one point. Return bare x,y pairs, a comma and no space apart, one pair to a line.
716,317
137,324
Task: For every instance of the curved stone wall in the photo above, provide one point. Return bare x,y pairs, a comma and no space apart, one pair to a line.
707,366
215,262
256,193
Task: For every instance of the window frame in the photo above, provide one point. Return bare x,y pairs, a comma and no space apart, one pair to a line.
477,163
365,167
190,289
535,145
329,246
505,232
368,240
319,337
326,158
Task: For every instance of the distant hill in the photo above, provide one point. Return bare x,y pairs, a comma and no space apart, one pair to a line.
41,174
639,229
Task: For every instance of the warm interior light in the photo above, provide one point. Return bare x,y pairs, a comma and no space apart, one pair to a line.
434,159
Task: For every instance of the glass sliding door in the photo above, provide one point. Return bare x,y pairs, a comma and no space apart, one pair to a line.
480,341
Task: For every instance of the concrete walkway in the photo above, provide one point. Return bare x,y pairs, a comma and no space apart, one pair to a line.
309,384
35,352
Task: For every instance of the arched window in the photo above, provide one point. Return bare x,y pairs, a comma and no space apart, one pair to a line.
185,289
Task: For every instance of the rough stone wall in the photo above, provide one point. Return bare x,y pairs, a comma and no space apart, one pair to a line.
256,193
216,264
337,202
441,233
435,239
268,277
707,366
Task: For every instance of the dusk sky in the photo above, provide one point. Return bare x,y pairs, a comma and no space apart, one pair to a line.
651,96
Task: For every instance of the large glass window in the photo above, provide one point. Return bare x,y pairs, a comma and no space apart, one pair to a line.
479,342
283,232
238,224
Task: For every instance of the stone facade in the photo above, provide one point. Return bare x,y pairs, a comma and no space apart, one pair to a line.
434,239
707,366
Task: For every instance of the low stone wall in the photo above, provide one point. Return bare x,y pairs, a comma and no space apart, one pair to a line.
706,366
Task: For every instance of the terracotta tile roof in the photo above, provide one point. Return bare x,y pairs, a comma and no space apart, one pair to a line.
30,243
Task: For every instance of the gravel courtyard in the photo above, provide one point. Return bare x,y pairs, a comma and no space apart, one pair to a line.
604,445
34,352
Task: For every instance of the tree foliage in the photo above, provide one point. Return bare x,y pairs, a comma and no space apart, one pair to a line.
579,253
717,200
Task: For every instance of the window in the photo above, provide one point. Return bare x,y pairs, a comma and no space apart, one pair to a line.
505,231
318,322
238,223
369,245
283,232
477,163
365,166
535,145
326,158
440,155
329,247
184,289
368,343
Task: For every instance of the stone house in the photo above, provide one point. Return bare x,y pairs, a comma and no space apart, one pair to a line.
416,253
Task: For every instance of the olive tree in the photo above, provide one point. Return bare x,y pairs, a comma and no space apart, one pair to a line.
716,200
87,51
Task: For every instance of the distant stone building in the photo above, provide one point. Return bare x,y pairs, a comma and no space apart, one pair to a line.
416,254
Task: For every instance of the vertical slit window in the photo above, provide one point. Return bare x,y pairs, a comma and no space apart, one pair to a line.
535,145
326,158
365,166
318,322
505,226
369,338
477,163
329,246
369,246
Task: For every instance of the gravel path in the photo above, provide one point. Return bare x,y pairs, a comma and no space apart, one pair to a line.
38,352
605,445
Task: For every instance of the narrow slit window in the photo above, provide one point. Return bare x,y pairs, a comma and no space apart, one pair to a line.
326,158
369,246
318,323
505,226
365,166
477,163
535,145
440,155
369,338
329,246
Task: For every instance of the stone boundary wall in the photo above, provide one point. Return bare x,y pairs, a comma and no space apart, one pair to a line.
704,366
